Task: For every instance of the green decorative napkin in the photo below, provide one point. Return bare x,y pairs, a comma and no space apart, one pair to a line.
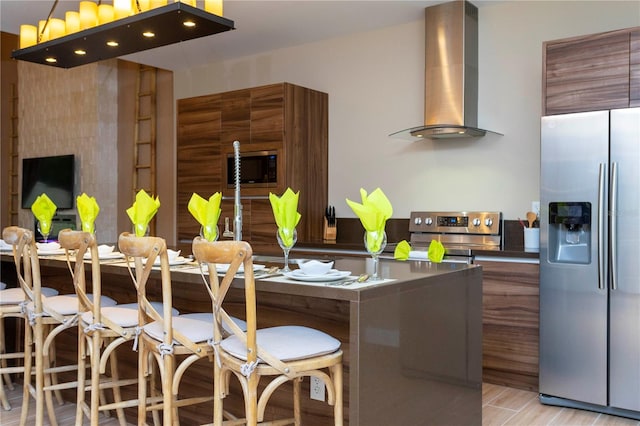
142,211
373,213
206,213
436,251
402,250
43,209
88,210
285,212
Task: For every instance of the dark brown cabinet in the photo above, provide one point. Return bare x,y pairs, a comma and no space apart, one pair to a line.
589,73
510,318
287,120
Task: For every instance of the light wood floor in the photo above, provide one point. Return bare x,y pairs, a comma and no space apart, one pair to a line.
65,414
508,406
500,406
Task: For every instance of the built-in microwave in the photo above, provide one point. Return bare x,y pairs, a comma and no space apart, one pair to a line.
257,169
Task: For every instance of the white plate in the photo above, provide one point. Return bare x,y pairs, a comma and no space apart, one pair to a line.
104,256
332,275
223,267
180,260
50,252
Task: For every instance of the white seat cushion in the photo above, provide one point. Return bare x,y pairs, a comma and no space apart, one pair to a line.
68,304
156,305
193,326
125,315
14,296
287,343
206,316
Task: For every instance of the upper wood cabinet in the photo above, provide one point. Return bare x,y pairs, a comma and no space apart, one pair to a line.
634,70
589,73
289,120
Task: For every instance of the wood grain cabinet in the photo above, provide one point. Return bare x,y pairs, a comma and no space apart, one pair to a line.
283,118
634,70
593,72
510,318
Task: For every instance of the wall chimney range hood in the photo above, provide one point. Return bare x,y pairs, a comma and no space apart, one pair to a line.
451,74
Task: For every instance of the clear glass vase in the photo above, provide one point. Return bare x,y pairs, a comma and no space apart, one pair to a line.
288,245
374,243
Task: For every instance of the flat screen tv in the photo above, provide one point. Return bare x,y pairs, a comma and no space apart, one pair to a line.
53,176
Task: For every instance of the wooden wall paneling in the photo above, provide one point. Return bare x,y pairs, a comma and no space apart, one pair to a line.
263,225
236,117
510,324
198,157
307,153
587,73
634,69
267,114
288,119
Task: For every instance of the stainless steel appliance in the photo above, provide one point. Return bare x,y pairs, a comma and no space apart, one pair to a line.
459,232
590,261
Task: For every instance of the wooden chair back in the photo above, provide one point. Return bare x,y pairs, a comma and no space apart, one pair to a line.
25,257
235,254
82,243
144,251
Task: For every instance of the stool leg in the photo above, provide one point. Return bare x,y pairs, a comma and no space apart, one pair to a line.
143,362
117,395
5,378
95,376
336,375
82,372
28,361
296,400
3,351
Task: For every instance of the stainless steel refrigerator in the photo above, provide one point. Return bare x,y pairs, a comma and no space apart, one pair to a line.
590,261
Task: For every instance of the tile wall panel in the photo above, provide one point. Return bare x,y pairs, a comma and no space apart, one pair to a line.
74,111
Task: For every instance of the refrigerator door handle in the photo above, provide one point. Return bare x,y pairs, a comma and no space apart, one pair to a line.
601,222
613,207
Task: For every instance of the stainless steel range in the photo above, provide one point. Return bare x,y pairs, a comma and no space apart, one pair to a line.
459,232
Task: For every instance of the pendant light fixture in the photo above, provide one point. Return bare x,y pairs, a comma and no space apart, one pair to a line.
102,31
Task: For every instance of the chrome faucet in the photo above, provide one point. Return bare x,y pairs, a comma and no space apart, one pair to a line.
237,208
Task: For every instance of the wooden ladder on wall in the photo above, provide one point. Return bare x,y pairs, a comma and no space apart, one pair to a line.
144,173
14,195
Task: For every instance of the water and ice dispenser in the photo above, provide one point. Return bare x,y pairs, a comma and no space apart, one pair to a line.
570,232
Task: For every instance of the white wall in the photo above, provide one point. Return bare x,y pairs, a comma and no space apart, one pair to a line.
375,83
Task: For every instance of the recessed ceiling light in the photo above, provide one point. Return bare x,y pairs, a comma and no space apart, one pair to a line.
112,43
80,52
189,24
51,60
149,34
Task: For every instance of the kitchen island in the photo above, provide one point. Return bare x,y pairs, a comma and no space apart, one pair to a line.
412,343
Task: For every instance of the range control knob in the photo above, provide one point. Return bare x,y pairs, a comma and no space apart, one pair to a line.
418,220
488,222
428,221
476,222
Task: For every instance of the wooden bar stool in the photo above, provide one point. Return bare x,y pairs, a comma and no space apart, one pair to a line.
101,331
175,343
47,317
282,354
11,306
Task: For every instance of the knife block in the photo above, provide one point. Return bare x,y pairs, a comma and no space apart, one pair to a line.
330,232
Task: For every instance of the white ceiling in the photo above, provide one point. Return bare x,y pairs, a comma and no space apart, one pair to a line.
261,25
